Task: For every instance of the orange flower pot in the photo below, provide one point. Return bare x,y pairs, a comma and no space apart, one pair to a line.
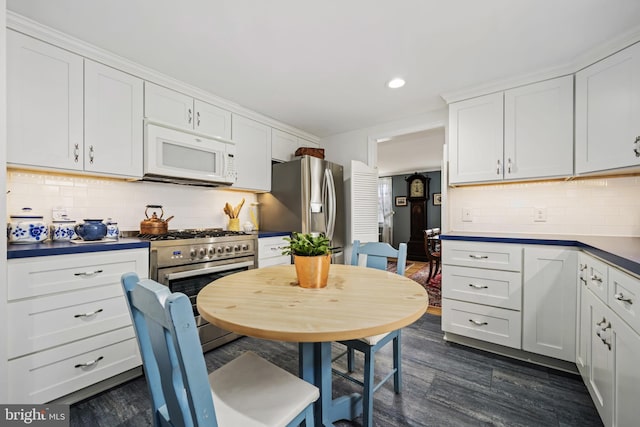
312,271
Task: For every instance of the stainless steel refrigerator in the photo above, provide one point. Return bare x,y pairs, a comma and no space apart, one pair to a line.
307,195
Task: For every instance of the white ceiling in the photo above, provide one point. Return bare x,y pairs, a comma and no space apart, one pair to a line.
321,66
413,152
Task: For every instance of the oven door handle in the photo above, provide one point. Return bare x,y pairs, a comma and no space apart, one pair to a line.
200,271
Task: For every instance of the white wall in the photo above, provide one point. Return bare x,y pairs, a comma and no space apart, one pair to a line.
89,197
596,206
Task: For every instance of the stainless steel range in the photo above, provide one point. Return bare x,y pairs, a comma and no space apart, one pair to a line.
188,260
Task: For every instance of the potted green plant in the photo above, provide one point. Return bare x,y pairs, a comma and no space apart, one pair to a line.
311,256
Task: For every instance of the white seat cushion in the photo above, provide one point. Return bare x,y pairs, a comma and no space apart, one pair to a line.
249,391
374,339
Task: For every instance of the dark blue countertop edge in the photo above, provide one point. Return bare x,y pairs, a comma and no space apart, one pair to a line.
623,252
273,233
63,248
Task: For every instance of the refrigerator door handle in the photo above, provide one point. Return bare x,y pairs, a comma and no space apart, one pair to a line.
331,203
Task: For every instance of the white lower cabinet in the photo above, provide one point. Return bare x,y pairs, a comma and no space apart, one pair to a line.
517,296
481,290
609,344
270,251
549,302
68,322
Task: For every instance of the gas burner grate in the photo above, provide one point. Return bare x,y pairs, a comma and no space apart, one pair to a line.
191,234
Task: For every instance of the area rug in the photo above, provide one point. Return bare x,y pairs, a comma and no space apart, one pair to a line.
433,288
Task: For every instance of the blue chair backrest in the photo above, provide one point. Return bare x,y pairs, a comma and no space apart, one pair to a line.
377,254
171,354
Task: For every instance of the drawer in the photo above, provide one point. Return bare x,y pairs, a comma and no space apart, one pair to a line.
30,277
281,260
497,256
489,287
624,294
50,374
271,247
491,324
39,323
597,277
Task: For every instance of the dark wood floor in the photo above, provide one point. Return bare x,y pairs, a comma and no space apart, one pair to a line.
444,385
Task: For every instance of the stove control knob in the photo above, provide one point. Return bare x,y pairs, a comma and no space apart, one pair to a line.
245,247
227,248
220,249
192,253
211,251
202,252
236,248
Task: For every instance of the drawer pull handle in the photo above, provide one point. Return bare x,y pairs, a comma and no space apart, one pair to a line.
475,322
478,286
478,256
596,278
88,273
622,298
602,322
89,363
93,313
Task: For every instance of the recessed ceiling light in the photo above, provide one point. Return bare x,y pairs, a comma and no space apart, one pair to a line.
395,83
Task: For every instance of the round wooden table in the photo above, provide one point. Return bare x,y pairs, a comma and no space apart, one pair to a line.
357,302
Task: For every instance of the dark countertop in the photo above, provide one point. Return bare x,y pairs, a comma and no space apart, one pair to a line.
621,251
62,248
272,233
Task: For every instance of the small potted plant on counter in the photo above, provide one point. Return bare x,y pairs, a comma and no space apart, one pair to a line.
311,256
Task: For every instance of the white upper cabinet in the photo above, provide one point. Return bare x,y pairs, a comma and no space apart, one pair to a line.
476,139
173,108
538,130
253,154
44,105
113,104
521,133
608,113
283,145
61,116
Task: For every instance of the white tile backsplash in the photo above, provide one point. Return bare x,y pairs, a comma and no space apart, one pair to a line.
595,206
125,202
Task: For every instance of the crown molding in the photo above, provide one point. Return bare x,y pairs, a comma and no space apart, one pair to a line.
582,61
74,45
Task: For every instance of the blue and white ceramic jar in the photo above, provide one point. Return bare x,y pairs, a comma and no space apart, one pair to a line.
63,230
113,233
27,228
91,229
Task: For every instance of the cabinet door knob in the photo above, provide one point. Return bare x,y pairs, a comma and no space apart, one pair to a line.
76,152
89,363
190,117
509,165
636,149
91,154
92,313
620,297
198,118
498,167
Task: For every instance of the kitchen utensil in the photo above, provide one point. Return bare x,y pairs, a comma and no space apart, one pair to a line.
91,229
27,227
155,224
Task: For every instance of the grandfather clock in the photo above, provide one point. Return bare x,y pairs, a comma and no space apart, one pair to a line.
418,191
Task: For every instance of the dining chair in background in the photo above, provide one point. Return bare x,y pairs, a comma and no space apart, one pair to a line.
377,255
432,251
248,391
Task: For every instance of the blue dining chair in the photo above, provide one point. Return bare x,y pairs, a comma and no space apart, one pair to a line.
248,391
377,255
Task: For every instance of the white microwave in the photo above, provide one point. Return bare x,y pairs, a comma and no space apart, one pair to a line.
184,158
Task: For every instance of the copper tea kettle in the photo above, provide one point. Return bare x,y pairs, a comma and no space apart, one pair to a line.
155,224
